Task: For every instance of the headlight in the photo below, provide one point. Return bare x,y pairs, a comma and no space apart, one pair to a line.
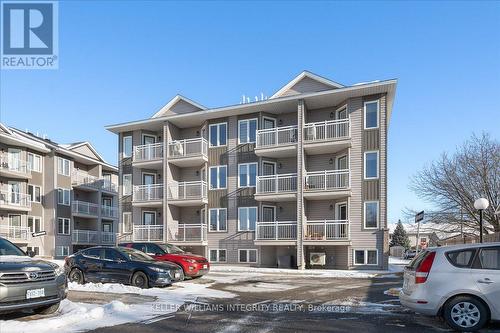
157,269
58,270
191,261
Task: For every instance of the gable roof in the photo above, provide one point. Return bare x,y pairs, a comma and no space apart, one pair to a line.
325,83
177,100
80,147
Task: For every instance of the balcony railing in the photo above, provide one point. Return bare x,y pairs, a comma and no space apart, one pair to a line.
13,164
15,232
151,192
277,230
149,152
276,136
187,190
84,237
12,198
108,237
148,233
109,211
328,180
277,183
80,178
83,207
109,186
327,130
188,148
327,230
190,233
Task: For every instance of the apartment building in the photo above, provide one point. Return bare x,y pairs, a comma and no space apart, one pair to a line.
296,180
55,199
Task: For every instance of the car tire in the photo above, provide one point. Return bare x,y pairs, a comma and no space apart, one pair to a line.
140,280
465,314
46,310
77,276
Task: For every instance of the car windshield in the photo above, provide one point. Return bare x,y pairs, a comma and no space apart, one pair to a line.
169,248
135,254
9,249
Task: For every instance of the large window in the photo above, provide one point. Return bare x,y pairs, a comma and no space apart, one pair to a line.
127,222
127,184
63,226
63,166
218,134
35,223
247,174
248,256
371,165
63,196
62,251
35,193
247,130
218,177
217,255
127,146
247,218
34,162
365,257
371,214
218,219
371,114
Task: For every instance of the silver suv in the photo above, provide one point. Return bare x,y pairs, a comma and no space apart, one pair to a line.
28,283
460,283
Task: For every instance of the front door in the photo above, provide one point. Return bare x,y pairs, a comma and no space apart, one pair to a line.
148,180
268,168
268,123
342,163
268,213
148,140
342,114
341,211
148,218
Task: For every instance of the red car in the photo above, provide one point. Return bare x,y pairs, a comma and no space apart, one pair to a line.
193,265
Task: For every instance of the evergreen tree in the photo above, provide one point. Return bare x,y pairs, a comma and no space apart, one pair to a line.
399,237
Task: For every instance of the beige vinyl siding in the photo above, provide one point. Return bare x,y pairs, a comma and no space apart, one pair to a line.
306,85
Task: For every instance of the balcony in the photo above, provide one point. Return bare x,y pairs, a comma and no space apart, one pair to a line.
327,232
328,136
188,153
277,232
189,234
88,237
109,212
15,201
108,238
109,186
147,233
84,181
187,193
328,184
15,234
148,195
84,209
13,167
280,187
277,142
148,155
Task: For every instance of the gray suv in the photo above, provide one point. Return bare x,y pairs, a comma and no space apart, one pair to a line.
27,283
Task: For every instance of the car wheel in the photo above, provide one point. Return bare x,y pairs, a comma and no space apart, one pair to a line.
465,313
46,310
76,275
140,280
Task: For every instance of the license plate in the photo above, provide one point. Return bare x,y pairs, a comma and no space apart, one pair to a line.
205,266
177,275
35,293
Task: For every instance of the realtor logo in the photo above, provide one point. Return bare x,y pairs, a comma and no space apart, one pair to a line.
29,35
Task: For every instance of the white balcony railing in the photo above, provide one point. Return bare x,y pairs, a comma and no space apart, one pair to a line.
13,198
328,180
83,207
80,178
149,152
108,237
327,130
153,192
14,164
277,183
189,233
276,136
84,237
188,148
187,190
16,233
109,211
109,186
327,230
148,233
277,230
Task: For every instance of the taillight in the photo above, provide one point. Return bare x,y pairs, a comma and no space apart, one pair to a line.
422,271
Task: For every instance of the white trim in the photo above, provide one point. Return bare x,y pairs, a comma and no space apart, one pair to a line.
300,77
34,156
174,101
69,196
218,177
218,255
378,114
147,135
248,174
365,257
248,221
63,160
341,109
125,175
155,213
218,220
262,212
248,129
123,223
364,214
131,146
41,192
218,134
66,231
35,217
248,256
364,164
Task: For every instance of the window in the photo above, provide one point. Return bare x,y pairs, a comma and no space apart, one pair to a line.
218,219
371,165
127,222
217,255
461,258
63,166
247,130
63,196
34,249
365,257
247,218
35,193
127,184
371,114
247,256
94,253
218,177
34,162
490,258
371,214
62,251
63,226
127,146
247,174
423,240
148,218
218,134
35,224
113,255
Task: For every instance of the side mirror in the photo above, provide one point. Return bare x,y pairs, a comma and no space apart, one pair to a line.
30,253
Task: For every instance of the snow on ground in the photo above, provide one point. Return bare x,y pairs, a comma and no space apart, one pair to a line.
353,305
261,287
398,261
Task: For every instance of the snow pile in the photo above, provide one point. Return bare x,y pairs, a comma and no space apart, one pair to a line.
357,306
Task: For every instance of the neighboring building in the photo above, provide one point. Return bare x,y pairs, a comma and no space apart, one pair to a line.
67,191
296,180
427,236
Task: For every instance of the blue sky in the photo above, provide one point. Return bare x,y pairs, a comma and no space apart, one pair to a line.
123,60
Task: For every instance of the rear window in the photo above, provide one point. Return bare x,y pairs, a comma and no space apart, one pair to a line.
417,260
461,258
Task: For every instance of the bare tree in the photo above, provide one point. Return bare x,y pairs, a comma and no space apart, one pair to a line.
453,183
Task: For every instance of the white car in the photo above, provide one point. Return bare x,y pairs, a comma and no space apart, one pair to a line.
460,283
